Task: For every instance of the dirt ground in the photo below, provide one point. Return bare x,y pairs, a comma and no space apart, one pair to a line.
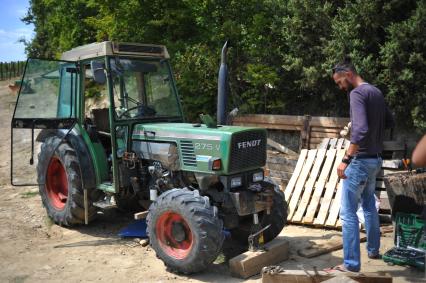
33,249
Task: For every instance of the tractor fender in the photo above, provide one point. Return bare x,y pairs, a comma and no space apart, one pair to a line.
78,144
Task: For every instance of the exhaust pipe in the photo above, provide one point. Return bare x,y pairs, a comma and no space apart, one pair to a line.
222,87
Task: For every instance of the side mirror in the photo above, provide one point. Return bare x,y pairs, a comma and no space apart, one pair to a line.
98,72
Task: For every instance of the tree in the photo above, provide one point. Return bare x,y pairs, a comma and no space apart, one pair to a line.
282,51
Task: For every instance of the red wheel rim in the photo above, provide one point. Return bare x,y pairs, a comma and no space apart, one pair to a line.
57,183
174,235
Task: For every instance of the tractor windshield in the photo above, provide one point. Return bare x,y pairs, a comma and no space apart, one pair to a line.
143,89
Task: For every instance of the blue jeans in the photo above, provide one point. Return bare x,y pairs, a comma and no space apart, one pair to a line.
359,186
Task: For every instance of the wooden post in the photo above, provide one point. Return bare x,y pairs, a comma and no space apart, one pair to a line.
305,133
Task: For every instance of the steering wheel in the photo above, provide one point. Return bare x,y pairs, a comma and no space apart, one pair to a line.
143,111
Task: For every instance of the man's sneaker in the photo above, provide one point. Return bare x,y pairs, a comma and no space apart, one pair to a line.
374,256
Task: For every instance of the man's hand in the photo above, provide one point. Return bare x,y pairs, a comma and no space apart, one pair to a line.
341,170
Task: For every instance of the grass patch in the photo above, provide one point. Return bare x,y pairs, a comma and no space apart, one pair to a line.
29,194
48,222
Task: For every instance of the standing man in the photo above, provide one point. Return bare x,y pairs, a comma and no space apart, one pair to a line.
361,163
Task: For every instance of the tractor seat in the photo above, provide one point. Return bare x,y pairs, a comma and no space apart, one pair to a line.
101,120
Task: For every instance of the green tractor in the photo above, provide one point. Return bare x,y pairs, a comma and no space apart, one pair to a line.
110,126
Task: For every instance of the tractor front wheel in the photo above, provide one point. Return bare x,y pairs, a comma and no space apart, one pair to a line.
184,230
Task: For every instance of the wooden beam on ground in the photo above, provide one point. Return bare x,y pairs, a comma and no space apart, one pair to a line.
325,246
280,147
251,263
304,276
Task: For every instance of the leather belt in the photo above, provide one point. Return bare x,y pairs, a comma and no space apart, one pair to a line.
366,156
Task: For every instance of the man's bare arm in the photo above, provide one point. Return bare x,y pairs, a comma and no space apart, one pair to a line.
419,153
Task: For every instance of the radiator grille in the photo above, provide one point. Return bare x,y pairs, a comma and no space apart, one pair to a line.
248,149
188,154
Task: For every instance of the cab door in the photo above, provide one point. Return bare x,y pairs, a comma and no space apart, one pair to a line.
47,100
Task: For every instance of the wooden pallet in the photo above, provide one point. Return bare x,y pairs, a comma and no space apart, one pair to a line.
312,192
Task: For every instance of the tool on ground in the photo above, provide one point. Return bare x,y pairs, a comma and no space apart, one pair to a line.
256,240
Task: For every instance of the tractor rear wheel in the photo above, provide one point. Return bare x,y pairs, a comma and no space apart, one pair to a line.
184,230
61,190
277,218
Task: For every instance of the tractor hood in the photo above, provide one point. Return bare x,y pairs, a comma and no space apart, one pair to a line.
239,148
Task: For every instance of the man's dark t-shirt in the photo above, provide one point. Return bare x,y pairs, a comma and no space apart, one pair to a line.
369,117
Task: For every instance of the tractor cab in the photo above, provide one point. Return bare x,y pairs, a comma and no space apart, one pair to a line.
91,90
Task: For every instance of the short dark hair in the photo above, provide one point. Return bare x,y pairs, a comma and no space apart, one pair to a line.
344,66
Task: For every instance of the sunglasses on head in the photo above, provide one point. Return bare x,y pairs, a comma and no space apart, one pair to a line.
338,69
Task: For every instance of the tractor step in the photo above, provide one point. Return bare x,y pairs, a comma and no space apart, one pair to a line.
106,187
106,203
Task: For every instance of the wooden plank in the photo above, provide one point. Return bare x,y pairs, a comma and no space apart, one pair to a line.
326,130
271,119
305,276
319,187
290,186
392,164
335,207
141,215
325,246
384,202
324,122
324,143
380,184
332,122
315,140
324,135
340,142
332,143
340,279
270,126
280,147
347,143
309,186
295,198
329,191
251,263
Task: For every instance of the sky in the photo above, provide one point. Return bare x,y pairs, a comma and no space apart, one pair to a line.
12,29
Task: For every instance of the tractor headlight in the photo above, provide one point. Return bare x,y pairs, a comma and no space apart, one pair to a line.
258,176
236,182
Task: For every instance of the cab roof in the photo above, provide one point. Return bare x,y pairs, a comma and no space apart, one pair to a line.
110,48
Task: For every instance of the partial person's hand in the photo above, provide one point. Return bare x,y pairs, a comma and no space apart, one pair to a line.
341,170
